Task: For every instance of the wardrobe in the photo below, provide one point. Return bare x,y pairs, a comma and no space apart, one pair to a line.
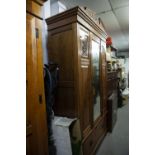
77,44
36,125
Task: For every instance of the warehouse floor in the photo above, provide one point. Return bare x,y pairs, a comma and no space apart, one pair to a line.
117,142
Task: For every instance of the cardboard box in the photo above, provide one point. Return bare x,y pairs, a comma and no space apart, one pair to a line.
67,135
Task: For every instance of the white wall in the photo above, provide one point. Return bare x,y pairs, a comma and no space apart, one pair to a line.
51,7
57,7
46,14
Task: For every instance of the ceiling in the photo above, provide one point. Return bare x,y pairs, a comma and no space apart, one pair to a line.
115,16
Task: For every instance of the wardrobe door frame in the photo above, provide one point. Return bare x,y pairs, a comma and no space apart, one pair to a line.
95,38
103,77
37,139
84,63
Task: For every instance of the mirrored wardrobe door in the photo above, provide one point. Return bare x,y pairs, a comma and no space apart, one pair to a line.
95,66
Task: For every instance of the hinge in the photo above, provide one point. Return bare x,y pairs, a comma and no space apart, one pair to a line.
37,33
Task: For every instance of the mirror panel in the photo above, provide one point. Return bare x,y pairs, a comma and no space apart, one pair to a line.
96,79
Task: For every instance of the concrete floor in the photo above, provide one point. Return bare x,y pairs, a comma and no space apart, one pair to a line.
117,142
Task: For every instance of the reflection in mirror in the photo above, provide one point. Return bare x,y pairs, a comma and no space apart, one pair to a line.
95,80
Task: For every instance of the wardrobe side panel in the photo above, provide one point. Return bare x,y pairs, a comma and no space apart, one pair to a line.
60,51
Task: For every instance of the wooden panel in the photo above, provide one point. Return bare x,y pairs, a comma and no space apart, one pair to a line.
85,96
38,1
28,145
35,109
64,22
61,29
35,8
103,76
66,84
60,51
84,79
112,99
40,118
64,102
112,111
100,129
91,144
77,69
30,49
100,139
73,15
88,145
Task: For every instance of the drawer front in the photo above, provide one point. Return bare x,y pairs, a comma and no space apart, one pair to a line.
89,145
100,129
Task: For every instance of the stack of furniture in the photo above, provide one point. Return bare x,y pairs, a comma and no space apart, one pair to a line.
77,44
36,126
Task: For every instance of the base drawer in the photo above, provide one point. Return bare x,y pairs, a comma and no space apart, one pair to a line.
100,129
89,145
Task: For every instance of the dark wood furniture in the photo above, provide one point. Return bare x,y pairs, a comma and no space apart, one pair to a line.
36,127
77,44
112,98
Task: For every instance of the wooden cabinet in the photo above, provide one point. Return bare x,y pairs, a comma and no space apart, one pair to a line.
77,44
112,99
36,127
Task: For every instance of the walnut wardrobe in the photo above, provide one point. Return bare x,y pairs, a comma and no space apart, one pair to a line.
77,43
